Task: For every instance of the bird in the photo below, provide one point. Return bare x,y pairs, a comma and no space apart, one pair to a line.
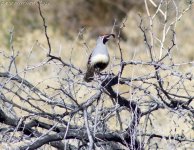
99,58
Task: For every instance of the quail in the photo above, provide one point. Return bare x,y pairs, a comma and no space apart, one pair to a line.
99,58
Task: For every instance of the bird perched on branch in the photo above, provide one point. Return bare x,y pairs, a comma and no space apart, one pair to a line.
99,58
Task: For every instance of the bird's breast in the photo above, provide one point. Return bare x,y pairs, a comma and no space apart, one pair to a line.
99,58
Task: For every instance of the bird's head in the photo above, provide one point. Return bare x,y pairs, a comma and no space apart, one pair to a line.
104,38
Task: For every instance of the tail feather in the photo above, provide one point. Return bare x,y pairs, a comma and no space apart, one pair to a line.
89,74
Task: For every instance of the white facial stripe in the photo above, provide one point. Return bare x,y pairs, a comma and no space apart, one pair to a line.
99,58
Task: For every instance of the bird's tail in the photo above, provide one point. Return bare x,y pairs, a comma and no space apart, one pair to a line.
89,74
